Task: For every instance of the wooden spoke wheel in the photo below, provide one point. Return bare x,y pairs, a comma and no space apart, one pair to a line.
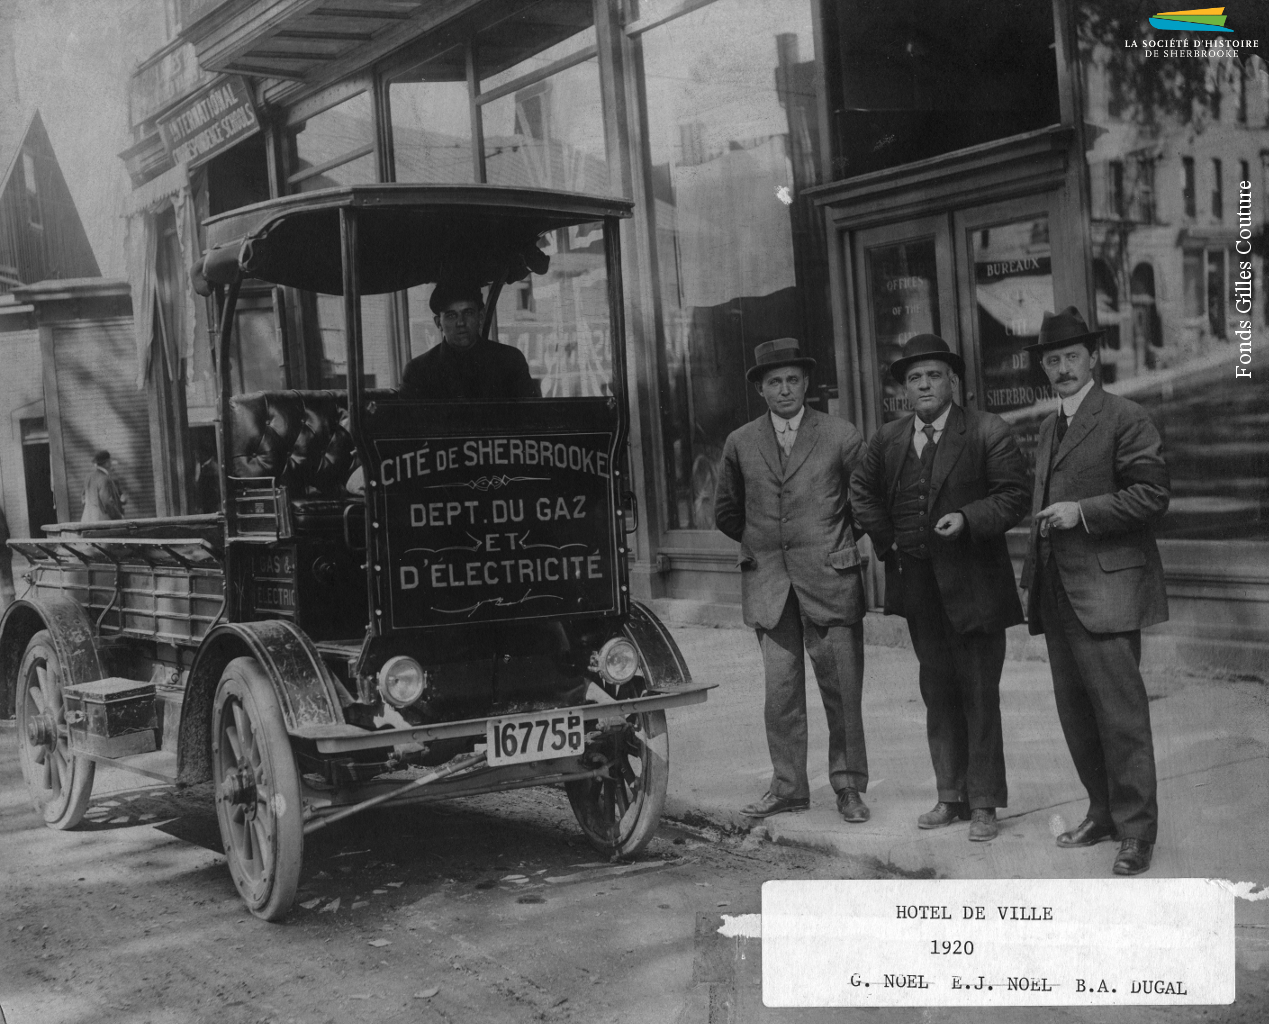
60,783
257,790
620,812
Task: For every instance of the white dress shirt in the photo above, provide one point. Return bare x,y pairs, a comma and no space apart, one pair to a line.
919,437
1071,405
787,430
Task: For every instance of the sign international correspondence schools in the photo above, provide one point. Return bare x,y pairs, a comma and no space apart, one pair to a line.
477,526
209,122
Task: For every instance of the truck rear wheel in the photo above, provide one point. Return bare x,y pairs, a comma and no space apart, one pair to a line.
619,813
60,784
257,790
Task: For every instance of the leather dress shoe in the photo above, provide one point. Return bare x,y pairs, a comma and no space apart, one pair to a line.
942,814
1134,857
767,805
1087,833
852,807
983,826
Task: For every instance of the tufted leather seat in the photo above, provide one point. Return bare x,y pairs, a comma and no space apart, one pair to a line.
296,437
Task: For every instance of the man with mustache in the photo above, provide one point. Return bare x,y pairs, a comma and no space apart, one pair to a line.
937,491
1094,579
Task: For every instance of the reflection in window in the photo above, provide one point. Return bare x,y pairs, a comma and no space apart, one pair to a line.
549,134
1176,348
431,121
559,319
903,294
731,113
1013,287
335,147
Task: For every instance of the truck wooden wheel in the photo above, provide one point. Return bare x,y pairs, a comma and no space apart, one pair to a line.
620,812
257,790
60,784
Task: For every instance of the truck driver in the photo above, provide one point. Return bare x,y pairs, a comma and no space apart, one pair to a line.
464,367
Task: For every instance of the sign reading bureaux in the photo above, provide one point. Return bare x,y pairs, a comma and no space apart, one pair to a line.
209,122
485,528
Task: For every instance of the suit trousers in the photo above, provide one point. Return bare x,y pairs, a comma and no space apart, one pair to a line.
1105,713
837,654
960,684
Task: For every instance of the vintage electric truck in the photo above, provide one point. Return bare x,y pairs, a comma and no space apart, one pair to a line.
399,600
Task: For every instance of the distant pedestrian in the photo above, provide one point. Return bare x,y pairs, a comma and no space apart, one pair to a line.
7,592
102,499
1094,579
784,492
937,492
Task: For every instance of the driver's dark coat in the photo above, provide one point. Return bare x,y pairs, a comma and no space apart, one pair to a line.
488,371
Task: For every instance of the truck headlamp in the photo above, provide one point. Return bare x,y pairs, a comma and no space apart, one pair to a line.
402,681
618,661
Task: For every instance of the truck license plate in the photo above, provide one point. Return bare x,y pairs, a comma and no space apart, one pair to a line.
517,739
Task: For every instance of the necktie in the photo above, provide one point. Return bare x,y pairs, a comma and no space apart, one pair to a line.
1061,424
927,453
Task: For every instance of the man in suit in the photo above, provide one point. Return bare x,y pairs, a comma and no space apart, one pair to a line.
937,492
784,492
464,366
1094,579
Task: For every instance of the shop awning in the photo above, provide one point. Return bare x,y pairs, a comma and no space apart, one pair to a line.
408,235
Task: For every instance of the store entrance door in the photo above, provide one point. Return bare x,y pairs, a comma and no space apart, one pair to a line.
980,278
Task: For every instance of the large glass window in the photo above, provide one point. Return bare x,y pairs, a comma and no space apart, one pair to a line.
731,103
335,147
911,82
544,132
903,290
1190,325
431,121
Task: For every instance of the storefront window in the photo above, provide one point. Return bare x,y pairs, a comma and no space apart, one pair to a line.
335,147
1013,287
431,121
901,92
549,133
731,102
904,298
1195,317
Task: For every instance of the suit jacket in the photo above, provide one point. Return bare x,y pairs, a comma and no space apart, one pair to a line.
979,472
1111,462
488,371
794,522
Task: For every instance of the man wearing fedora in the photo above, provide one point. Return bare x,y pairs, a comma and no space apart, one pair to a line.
937,491
1094,579
463,366
784,492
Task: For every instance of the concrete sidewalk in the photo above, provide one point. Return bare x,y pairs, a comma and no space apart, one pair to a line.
1211,748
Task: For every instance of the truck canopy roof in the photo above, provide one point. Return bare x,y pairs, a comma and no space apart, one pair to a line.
407,235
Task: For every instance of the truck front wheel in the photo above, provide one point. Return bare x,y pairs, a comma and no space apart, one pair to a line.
257,790
620,811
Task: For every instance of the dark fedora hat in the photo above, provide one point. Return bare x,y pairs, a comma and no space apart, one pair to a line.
773,354
451,290
925,346
1058,330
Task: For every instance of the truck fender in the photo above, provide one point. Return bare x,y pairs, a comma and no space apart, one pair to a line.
662,660
305,688
73,639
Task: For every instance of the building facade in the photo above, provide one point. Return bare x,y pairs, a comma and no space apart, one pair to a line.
847,172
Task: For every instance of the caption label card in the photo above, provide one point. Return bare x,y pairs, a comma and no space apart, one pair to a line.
997,942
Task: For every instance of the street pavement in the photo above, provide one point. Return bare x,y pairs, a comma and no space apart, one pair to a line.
1211,740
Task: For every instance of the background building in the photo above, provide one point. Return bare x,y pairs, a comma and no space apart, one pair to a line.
846,171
